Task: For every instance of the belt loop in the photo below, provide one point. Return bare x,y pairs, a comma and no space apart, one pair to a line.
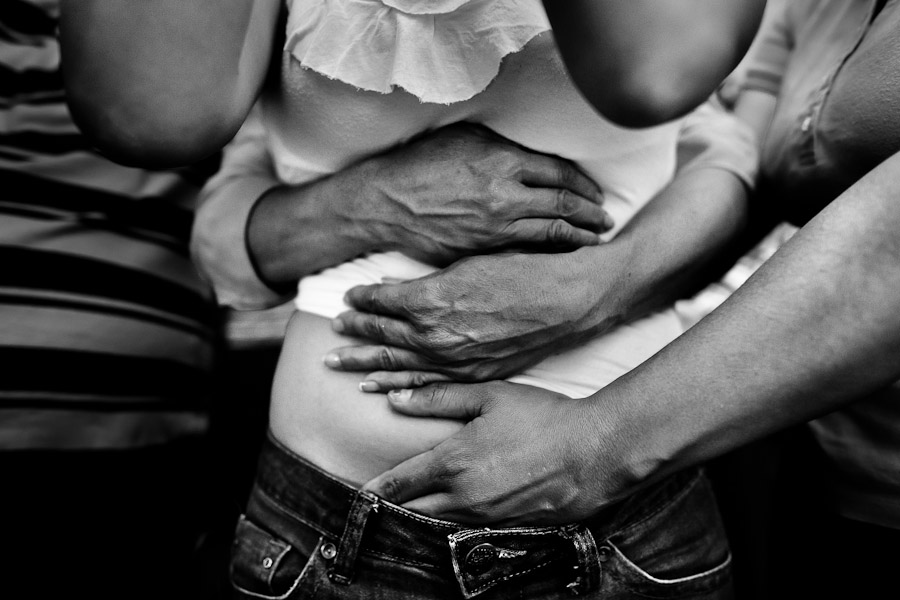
348,547
587,571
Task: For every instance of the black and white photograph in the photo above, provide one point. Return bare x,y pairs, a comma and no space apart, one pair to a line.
449,299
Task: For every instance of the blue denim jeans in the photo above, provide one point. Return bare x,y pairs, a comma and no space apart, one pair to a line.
308,535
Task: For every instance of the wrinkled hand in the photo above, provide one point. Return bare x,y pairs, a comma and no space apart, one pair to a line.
526,456
482,318
464,190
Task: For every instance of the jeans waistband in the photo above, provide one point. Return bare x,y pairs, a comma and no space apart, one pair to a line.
288,488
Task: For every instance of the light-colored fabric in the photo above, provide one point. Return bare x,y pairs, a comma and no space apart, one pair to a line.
709,138
532,102
218,242
316,126
439,51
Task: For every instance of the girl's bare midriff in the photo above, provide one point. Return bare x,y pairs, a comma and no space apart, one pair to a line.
322,416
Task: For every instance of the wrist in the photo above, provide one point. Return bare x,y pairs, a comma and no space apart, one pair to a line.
631,443
295,230
357,203
254,232
607,275
370,206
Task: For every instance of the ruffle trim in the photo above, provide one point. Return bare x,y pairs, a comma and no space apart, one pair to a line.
441,51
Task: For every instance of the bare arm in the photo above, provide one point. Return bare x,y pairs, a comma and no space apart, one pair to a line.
491,316
817,327
643,62
161,83
454,192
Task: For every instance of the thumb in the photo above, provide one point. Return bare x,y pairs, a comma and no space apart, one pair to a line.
448,400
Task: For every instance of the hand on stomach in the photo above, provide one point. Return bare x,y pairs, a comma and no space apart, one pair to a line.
321,415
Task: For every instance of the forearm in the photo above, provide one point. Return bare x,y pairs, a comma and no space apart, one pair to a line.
643,62
692,229
815,328
677,242
164,82
330,215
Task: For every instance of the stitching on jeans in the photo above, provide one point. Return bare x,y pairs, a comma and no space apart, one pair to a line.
421,518
315,471
494,582
309,562
277,506
328,535
455,538
455,563
394,559
287,548
265,487
533,531
724,564
349,492
349,548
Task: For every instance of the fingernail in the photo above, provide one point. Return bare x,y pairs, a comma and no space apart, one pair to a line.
332,360
368,386
608,221
400,395
337,325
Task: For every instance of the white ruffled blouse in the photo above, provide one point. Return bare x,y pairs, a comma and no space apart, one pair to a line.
441,51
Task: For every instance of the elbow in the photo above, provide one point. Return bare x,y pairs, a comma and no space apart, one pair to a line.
640,102
644,93
137,135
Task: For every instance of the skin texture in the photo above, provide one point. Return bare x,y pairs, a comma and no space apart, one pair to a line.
485,318
186,93
644,62
815,328
449,194
150,86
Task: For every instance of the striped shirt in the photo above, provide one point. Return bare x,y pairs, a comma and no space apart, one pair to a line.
107,335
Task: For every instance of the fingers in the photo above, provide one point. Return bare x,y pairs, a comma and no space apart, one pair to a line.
387,300
552,232
377,358
378,328
385,381
563,204
447,400
449,507
539,170
413,478
439,506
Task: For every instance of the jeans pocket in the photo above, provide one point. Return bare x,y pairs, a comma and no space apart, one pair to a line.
700,583
265,566
677,550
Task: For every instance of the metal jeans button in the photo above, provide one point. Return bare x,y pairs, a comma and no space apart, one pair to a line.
328,551
604,553
481,558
